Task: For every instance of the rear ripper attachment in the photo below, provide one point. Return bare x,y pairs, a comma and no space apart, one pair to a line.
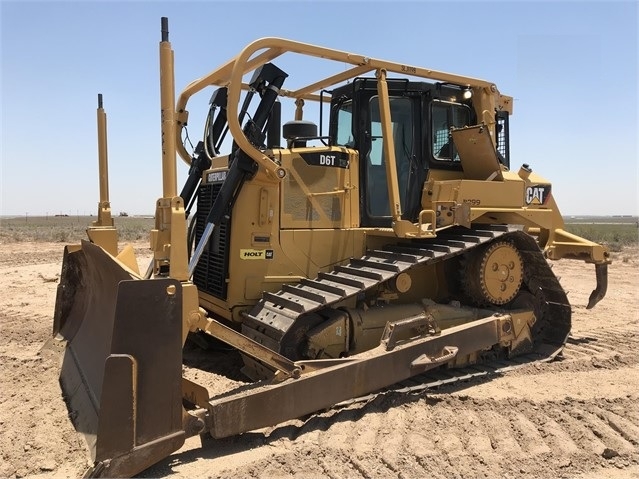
391,259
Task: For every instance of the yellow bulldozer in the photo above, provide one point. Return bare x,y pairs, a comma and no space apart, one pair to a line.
388,239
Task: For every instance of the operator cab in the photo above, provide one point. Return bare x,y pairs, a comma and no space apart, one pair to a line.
422,115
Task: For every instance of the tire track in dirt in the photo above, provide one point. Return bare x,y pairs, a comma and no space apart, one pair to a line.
462,438
440,435
39,437
436,434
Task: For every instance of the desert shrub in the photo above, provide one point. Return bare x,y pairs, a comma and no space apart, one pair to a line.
615,235
68,229
62,236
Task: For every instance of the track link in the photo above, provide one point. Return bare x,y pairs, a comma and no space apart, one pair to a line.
277,315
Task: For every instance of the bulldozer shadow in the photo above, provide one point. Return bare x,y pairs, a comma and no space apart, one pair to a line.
202,352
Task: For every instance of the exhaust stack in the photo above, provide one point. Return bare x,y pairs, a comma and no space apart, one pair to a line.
103,232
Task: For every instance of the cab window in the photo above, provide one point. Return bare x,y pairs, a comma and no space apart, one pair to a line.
345,125
446,115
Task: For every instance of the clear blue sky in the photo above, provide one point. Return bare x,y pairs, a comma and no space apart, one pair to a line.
571,67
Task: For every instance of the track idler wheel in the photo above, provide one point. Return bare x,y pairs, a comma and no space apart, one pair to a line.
493,275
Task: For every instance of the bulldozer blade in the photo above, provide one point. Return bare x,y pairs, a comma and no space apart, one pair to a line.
121,373
601,272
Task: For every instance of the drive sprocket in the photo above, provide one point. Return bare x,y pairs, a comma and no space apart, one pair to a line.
494,274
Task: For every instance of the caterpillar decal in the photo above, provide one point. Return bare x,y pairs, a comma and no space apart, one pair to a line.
537,194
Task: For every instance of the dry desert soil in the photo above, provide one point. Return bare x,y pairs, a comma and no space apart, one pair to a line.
576,417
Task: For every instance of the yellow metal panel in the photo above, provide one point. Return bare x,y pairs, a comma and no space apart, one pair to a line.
318,196
315,250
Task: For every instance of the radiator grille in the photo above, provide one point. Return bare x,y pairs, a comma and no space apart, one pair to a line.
211,271
503,146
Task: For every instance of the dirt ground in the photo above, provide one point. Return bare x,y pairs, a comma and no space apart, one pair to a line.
577,417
